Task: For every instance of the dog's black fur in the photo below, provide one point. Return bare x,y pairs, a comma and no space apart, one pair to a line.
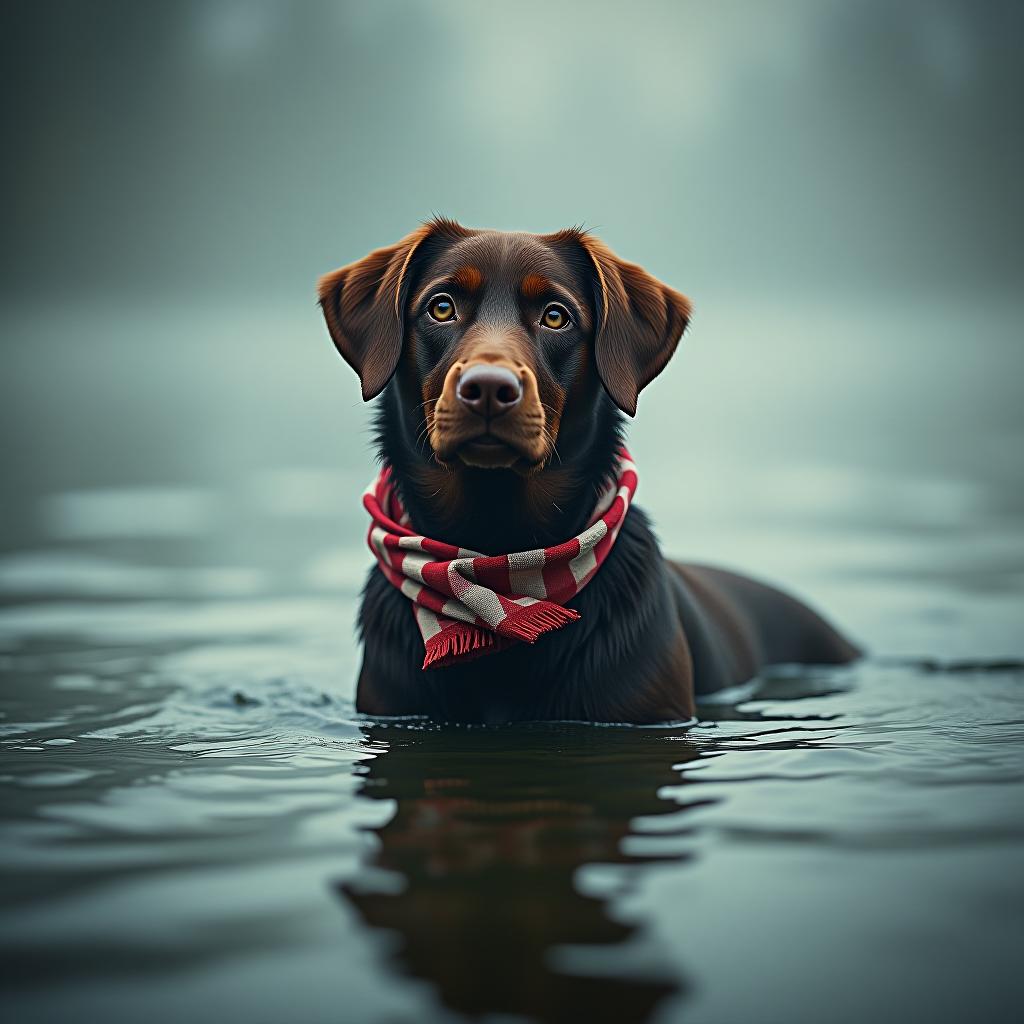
651,634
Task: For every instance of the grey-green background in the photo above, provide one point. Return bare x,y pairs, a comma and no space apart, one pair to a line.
197,826
241,147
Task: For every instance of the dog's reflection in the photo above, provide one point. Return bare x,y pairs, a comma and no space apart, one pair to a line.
480,864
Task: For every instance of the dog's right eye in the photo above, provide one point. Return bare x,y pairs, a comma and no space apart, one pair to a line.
442,308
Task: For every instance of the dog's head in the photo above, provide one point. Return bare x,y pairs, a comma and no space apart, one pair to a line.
501,337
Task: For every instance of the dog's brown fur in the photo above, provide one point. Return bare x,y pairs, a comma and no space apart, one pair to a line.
652,634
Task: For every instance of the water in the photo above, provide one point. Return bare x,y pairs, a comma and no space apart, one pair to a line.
197,826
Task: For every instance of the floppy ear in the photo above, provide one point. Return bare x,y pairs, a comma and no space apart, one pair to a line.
362,304
640,322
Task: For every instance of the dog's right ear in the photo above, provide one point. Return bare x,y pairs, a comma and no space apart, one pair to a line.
641,322
363,306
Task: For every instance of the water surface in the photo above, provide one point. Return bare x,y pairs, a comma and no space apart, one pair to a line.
197,825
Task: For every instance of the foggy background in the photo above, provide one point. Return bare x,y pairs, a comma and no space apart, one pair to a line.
195,818
241,148
835,185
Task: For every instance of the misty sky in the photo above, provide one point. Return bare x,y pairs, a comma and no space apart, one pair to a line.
242,148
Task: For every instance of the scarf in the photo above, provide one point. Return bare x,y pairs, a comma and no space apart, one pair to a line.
467,604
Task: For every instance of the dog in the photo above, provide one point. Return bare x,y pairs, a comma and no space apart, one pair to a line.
505,364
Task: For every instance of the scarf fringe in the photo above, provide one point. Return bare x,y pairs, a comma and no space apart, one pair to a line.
464,641
534,621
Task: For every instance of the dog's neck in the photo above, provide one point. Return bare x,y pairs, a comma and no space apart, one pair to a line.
498,511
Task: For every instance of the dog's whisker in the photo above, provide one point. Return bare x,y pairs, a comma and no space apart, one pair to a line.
550,438
423,438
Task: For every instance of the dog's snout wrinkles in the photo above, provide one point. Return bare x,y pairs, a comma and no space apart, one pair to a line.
489,390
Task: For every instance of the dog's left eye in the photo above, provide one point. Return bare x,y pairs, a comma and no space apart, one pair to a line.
442,308
555,317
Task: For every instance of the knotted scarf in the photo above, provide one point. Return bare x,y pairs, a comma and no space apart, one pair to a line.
468,604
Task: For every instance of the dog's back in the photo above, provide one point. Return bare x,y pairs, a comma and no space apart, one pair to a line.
736,626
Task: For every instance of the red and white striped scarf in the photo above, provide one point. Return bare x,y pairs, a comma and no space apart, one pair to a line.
467,604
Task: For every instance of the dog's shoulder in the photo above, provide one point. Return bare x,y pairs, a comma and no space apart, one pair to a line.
627,658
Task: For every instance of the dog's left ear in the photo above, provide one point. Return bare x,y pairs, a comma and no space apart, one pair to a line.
362,304
640,322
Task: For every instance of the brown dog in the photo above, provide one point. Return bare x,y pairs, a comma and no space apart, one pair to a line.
506,362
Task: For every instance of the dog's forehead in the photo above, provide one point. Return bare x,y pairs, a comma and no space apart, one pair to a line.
506,258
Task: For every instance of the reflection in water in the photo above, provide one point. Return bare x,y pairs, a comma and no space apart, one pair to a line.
481,855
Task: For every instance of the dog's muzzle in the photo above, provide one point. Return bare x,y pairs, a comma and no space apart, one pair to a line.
489,415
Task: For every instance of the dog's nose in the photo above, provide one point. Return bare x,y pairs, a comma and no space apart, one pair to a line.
489,390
